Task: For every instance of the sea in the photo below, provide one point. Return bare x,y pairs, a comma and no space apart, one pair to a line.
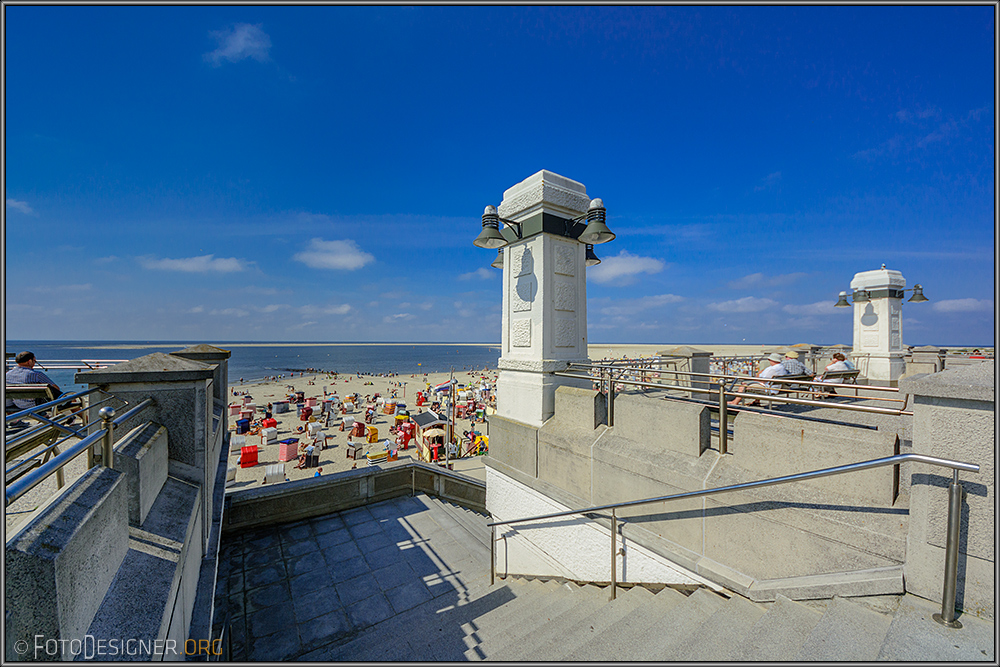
253,361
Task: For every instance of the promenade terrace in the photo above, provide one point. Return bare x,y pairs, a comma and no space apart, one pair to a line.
395,562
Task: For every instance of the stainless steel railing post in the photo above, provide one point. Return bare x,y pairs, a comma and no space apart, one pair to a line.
723,419
493,554
107,414
947,615
614,553
611,399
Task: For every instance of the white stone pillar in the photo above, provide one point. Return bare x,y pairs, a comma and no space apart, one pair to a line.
544,296
878,326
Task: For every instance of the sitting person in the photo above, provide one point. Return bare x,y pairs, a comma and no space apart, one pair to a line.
792,364
305,458
776,369
840,363
25,373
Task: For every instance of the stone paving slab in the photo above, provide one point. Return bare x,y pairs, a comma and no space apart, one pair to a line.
300,590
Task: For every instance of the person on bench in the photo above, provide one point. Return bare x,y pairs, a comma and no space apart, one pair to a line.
776,369
792,364
25,373
840,363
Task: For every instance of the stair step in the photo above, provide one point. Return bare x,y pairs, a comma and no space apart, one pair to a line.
594,624
473,521
630,631
582,604
848,632
780,633
373,644
914,635
497,644
719,635
676,626
530,612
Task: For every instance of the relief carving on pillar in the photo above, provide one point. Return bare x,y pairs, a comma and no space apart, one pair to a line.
520,333
565,295
565,257
565,332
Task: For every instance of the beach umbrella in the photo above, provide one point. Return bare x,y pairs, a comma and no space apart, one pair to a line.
434,432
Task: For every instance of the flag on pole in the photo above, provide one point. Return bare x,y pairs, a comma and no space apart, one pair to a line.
443,386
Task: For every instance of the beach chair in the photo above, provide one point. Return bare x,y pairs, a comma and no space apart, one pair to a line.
248,456
274,473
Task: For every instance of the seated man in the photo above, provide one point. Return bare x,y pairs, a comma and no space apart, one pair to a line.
24,373
776,369
792,364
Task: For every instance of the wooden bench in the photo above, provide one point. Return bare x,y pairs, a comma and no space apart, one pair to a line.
16,446
839,377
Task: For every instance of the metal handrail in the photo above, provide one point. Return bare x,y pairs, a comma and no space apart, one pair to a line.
719,376
947,616
29,412
105,435
21,486
781,399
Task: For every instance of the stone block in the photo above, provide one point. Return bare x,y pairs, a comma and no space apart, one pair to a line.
514,443
142,456
673,425
954,417
59,566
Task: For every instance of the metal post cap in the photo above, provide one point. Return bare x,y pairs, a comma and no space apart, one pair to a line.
107,412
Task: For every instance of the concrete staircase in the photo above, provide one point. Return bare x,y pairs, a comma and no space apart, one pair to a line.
536,620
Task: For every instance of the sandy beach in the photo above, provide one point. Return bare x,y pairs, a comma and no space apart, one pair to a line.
334,457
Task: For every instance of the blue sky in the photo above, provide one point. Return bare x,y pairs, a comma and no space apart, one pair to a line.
319,173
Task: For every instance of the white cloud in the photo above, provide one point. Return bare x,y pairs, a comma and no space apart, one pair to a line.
760,280
270,308
482,273
105,260
238,43
197,309
202,264
21,206
330,309
398,317
818,308
963,305
640,305
342,255
623,268
748,304
230,312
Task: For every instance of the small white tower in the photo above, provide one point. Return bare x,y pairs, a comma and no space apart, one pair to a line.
544,288
878,326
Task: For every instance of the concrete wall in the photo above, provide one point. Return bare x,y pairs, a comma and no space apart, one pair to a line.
954,418
317,496
804,540
142,455
60,564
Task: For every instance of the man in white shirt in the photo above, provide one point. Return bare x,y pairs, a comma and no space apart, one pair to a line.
776,369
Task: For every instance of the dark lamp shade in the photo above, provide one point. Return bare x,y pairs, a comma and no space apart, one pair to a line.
498,262
842,301
918,295
592,259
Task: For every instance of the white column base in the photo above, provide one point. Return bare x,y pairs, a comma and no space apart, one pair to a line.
530,396
885,370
